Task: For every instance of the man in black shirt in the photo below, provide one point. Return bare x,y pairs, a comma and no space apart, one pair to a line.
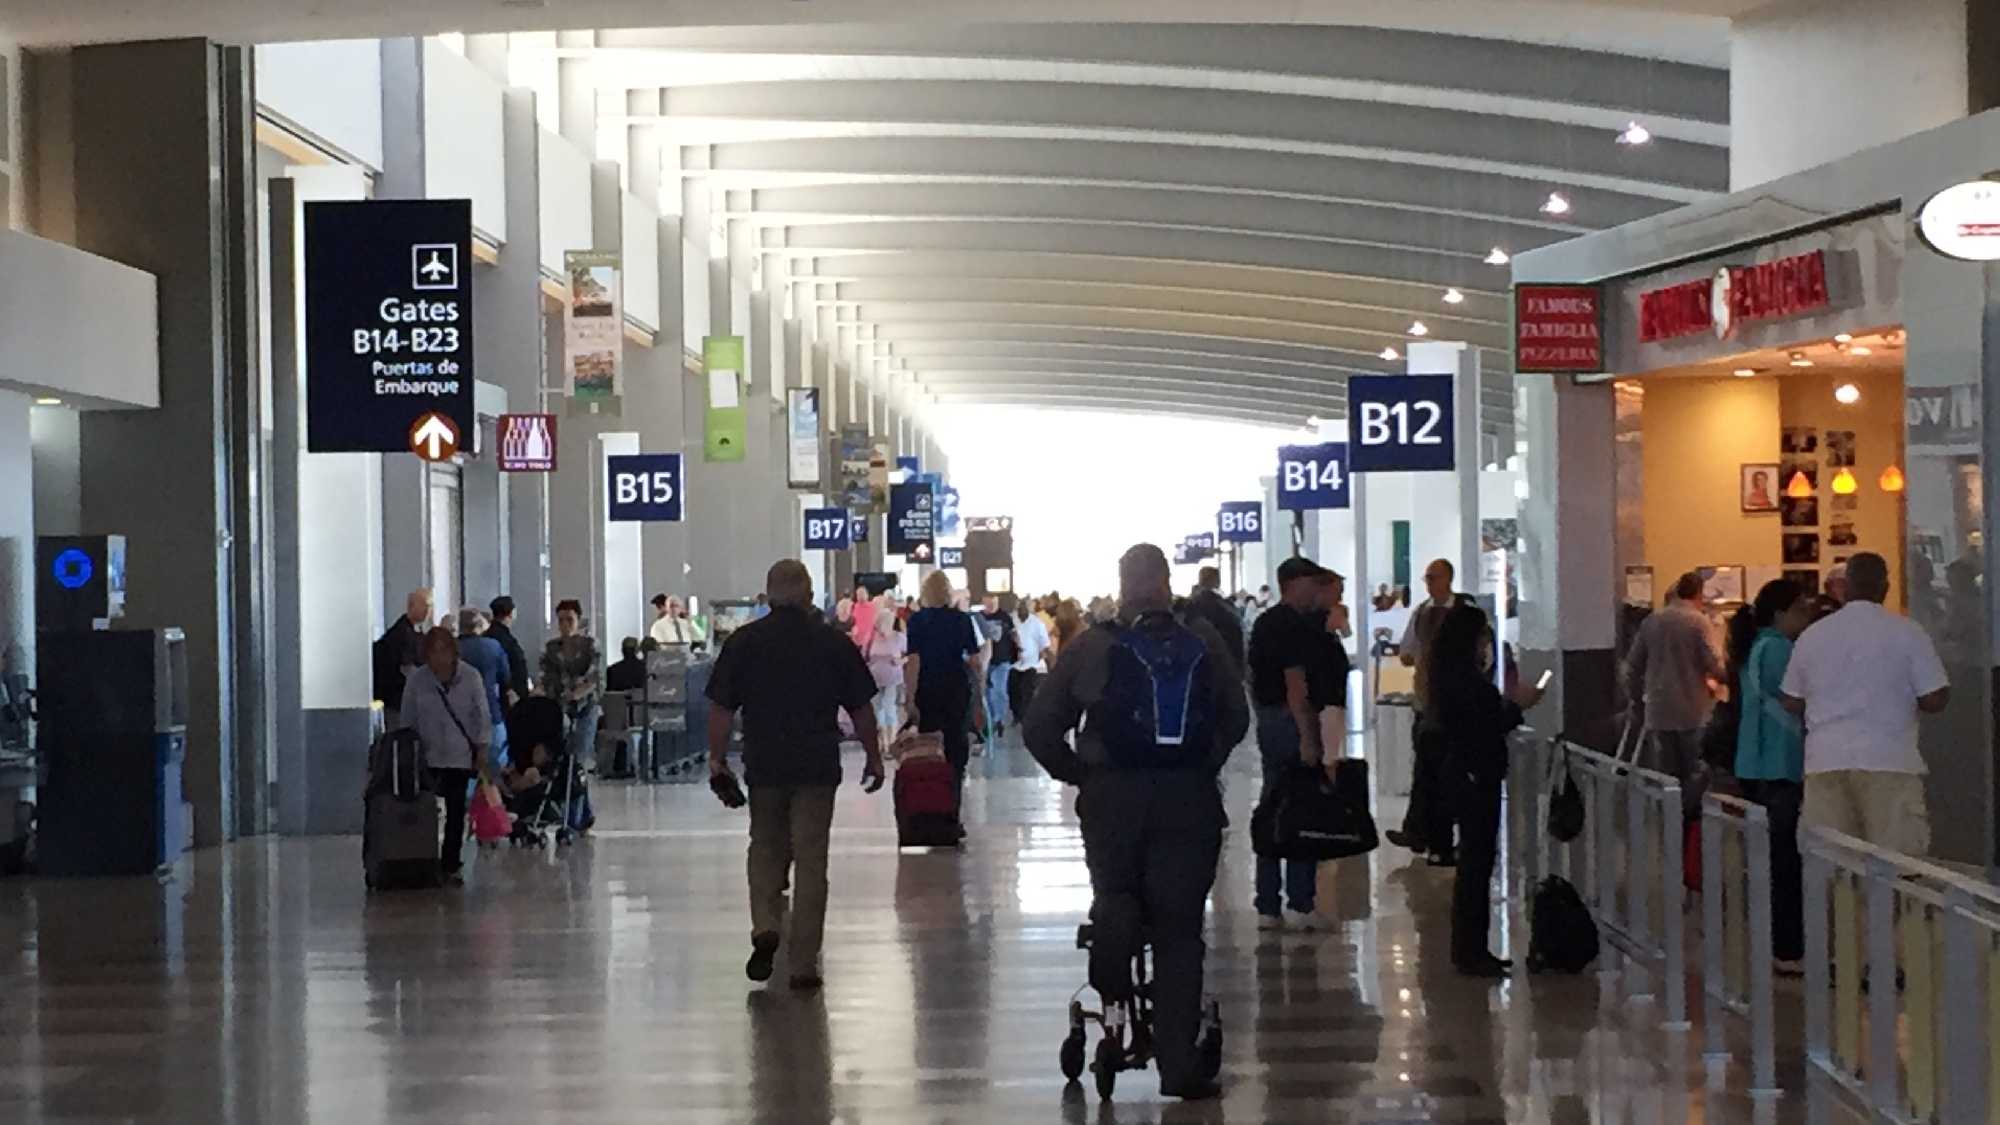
1208,604
790,674
629,673
502,630
1285,644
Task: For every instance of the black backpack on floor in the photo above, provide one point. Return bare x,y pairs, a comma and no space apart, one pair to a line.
1562,936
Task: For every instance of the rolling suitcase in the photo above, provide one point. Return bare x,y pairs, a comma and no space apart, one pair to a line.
926,796
399,831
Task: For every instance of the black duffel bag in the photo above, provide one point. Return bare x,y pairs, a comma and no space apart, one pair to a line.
1309,817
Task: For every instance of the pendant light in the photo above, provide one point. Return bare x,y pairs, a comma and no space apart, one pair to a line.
1892,479
1844,483
1799,487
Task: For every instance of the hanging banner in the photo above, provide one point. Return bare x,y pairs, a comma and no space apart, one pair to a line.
1240,521
594,332
827,529
878,475
949,523
854,490
802,418
912,530
725,428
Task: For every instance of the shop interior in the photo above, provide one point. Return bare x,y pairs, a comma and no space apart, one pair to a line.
1777,463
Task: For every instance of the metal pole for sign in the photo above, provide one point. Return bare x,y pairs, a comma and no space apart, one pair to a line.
1298,532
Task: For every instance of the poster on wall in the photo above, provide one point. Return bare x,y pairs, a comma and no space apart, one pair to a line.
1639,586
856,493
725,428
1801,548
1758,487
803,427
879,460
594,332
1799,511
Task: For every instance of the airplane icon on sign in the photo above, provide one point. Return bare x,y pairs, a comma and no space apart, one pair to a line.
435,269
434,265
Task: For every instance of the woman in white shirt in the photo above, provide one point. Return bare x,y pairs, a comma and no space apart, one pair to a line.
884,650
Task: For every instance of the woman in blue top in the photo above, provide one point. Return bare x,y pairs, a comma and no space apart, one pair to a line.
1770,755
939,669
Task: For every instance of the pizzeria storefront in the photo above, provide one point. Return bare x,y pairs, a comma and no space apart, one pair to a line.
1760,387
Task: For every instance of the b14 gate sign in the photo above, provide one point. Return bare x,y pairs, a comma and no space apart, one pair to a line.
644,488
1240,521
388,324
1312,477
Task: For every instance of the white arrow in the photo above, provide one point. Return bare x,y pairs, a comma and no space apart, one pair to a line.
435,434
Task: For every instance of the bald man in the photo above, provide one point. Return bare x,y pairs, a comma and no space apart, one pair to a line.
399,651
1165,707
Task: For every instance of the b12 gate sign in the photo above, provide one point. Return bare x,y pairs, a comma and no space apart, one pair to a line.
1313,477
827,529
388,321
644,487
1400,423
1240,521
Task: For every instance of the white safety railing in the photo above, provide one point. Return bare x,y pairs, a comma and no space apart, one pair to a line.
1737,973
1627,864
1903,993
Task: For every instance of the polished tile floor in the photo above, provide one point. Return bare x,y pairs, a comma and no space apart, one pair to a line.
604,984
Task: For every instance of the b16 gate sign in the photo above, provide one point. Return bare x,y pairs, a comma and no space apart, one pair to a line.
644,488
388,321
1240,521
1400,423
1313,477
827,529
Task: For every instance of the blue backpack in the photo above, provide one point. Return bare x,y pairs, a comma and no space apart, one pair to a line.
1157,711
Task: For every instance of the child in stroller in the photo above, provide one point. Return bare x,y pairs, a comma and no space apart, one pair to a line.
543,782
1127,1022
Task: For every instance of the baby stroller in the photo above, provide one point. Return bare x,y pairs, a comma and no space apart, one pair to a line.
1128,1027
536,738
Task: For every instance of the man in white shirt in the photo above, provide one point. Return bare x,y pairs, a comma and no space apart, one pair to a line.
1033,639
673,626
1860,677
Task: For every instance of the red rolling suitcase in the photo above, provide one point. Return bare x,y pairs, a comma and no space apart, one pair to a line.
926,795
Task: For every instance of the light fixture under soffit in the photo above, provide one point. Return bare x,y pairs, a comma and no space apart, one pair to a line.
48,402
1844,483
1556,204
1634,134
1419,328
1391,354
1861,351
1892,479
1453,297
1799,487
1497,257
1843,337
1847,394
1799,359
1744,372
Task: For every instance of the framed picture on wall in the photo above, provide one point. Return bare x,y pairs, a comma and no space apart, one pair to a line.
1759,487
1807,580
1840,449
1842,534
1801,548
1799,511
1798,439
1722,585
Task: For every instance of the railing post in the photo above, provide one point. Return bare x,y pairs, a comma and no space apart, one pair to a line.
1880,905
1763,1016
1819,1004
1714,982
1672,841
1637,856
1603,867
1965,1047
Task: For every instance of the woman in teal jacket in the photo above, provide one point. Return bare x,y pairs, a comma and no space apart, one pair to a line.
1770,755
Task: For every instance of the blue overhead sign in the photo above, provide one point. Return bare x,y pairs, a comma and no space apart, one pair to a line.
1400,423
827,529
1313,477
910,465
1240,521
857,527
1200,545
951,557
912,526
644,488
949,524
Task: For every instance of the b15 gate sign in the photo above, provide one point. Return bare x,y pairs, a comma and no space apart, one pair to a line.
388,296
644,487
1312,477
827,529
1400,423
1240,521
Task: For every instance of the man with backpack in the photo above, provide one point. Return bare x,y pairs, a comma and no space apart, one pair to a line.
1161,709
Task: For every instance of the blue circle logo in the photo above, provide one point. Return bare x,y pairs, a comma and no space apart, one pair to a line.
73,569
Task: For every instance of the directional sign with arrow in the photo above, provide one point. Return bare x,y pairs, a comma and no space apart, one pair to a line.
434,437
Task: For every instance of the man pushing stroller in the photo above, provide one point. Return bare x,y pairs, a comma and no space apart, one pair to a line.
1161,709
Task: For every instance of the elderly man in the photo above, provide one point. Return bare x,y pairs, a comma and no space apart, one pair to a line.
790,673
1161,707
1673,669
399,650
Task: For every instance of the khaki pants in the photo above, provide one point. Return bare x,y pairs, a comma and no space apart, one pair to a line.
789,827
1880,807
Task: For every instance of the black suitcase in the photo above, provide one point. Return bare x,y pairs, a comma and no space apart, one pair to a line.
399,828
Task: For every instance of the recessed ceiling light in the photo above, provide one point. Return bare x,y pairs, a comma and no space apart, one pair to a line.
1745,372
1847,394
1861,349
1634,134
1843,337
1419,328
48,402
1453,297
1555,204
1799,360
1497,257
1391,354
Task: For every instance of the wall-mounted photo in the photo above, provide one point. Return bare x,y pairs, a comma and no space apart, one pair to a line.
1848,503
1801,547
1807,580
1842,534
1722,585
1840,449
1799,439
1799,511
1760,485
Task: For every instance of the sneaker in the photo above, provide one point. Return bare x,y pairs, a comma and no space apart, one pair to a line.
1304,923
763,957
1270,922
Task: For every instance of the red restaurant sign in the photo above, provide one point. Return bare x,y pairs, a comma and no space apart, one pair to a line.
1765,291
1558,328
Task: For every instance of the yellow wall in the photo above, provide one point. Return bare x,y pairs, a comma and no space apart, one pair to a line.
1697,433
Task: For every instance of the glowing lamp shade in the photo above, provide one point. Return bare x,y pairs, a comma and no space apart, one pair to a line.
1844,483
1892,479
1847,394
1799,488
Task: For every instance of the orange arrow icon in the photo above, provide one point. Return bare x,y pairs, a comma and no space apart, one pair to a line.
434,437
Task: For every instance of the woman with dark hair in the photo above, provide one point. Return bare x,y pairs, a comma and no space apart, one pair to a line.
570,676
1467,711
1770,753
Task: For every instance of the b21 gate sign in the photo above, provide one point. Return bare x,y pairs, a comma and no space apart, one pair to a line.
1313,477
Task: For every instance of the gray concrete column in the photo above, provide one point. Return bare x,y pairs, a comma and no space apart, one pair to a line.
166,478
489,54
643,148
657,389
405,517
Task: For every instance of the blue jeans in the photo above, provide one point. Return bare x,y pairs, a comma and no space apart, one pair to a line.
996,701
1278,744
